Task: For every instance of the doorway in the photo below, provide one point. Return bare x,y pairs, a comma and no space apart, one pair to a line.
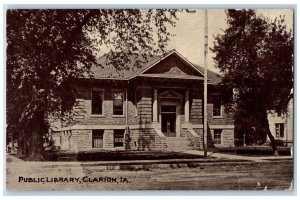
168,120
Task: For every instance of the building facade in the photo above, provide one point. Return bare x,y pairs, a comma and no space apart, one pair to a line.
281,125
159,106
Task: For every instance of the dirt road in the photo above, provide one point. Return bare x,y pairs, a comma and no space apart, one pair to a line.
275,175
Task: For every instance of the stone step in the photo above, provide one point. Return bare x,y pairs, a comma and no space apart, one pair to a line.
181,148
178,139
179,143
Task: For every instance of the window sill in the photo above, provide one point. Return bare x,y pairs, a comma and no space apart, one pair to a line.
119,116
95,115
119,148
217,117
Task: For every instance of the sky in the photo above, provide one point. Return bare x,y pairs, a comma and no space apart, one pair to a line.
189,32
189,39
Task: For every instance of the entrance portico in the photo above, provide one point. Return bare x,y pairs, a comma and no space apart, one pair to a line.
168,108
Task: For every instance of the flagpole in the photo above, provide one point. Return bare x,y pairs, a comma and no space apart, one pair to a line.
205,84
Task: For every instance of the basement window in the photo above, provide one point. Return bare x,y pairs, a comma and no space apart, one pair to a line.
97,136
218,136
119,137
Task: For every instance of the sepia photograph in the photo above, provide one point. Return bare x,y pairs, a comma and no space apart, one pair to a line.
149,99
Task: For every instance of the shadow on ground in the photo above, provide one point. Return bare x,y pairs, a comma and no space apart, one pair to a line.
118,155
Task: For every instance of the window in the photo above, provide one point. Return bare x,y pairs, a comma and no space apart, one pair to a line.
280,113
118,103
279,129
119,137
97,102
97,138
217,106
217,136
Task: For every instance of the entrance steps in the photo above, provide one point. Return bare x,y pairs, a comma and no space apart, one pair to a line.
179,143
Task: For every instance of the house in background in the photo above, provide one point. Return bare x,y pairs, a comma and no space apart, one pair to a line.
281,125
160,105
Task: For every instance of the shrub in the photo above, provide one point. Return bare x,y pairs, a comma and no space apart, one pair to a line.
262,150
224,149
279,143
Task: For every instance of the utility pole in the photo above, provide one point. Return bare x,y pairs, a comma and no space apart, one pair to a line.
205,84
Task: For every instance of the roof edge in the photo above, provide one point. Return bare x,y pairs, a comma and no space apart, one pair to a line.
166,56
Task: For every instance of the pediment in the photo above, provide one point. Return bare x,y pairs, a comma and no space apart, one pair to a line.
173,64
169,94
175,70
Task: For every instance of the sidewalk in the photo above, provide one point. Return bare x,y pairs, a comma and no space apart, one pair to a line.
213,159
239,157
15,160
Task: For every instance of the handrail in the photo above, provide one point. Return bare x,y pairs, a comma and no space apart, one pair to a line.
193,133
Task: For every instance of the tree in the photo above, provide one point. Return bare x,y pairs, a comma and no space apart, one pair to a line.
46,48
255,55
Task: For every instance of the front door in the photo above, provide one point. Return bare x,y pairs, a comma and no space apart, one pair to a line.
168,120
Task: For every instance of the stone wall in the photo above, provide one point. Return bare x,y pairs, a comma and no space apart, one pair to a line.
82,108
81,140
228,137
108,139
196,107
140,114
144,105
199,142
146,139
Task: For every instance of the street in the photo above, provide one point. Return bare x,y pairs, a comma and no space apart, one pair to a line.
271,175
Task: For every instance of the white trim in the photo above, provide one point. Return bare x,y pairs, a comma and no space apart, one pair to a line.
154,106
170,53
178,127
171,76
221,136
177,95
126,106
193,133
110,127
187,106
96,116
221,126
159,133
191,126
136,126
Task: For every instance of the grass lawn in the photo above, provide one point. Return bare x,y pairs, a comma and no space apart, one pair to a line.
118,155
255,151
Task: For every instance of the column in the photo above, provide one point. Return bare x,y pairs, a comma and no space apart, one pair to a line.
154,106
187,107
126,106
